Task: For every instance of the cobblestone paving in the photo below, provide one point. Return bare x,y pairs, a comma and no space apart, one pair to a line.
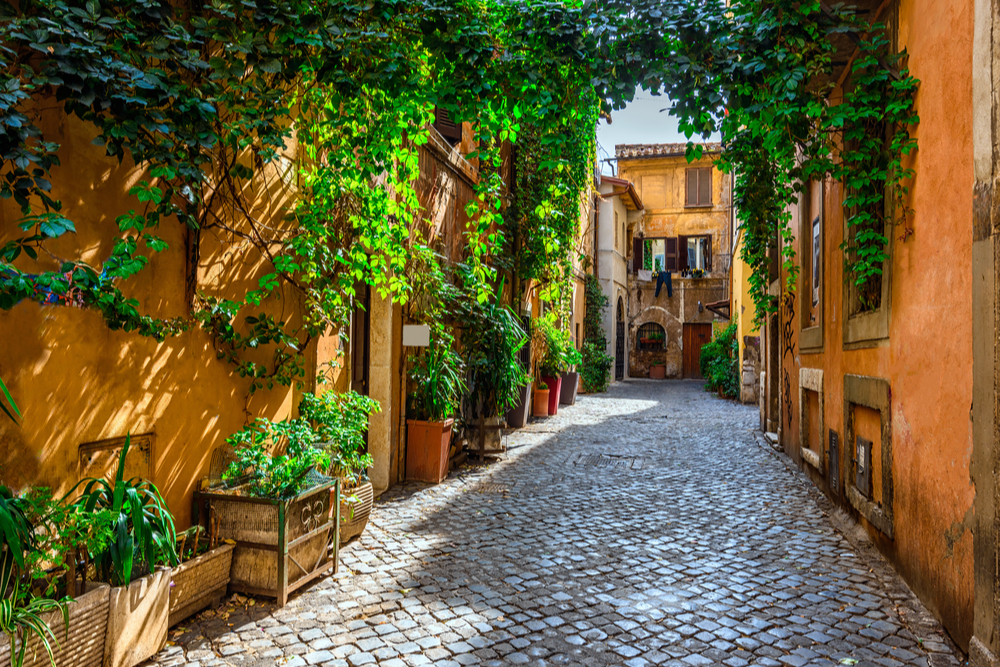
645,526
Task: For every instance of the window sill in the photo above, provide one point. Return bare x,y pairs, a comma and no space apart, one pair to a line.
709,205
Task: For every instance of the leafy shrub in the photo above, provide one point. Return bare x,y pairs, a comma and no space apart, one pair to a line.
437,372
340,421
720,362
264,471
596,366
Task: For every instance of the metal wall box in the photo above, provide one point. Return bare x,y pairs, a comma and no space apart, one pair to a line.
100,459
833,459
863,467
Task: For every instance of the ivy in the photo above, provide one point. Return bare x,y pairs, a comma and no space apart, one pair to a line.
290,132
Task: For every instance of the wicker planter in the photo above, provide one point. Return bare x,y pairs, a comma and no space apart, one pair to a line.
570,384
657,372
137,620
83,645
518,415
540,403
281,545
199,582
354,515
555,389
428,445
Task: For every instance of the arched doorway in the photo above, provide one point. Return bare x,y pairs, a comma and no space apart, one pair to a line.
620,342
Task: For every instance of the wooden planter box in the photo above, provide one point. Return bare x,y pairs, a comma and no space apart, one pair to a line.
137,620
658,372
354,515
281,545
83,645
199,582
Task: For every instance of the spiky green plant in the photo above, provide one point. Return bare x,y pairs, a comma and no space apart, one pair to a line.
10,410
21,617
143,530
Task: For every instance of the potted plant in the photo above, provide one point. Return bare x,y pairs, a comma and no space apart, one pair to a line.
657,370
492,338
570,378
202,576
437,376
275,504
341,423
135,561
540,404
556,343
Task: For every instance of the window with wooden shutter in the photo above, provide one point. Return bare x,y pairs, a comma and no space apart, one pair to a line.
637,256
449,129
671,243
699,187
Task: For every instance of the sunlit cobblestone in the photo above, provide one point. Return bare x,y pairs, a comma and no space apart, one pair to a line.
645,526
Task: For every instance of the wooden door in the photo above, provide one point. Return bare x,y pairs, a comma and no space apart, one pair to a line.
695,335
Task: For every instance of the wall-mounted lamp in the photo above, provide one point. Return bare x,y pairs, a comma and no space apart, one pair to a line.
701,308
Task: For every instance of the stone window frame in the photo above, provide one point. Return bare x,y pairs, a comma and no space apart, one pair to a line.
811,379
811,337
874,393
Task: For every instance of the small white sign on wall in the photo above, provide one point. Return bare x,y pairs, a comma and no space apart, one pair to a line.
416,335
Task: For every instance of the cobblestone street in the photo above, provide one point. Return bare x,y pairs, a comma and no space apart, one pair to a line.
646,526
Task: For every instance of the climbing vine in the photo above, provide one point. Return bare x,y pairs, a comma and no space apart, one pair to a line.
289,133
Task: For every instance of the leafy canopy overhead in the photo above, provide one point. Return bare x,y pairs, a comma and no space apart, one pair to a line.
219,103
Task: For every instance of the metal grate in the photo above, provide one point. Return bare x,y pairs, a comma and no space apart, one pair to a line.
491,487
612,461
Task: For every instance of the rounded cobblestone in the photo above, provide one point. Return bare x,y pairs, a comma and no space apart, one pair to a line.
646,526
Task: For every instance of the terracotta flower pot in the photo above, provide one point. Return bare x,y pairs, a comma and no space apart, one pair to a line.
427,447
555,389
540,403
657,372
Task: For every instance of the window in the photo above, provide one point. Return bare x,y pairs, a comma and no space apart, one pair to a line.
617,246
651,337
699,187
659,254
699,250
449,129
811,225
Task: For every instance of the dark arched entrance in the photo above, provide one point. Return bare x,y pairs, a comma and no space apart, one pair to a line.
620,342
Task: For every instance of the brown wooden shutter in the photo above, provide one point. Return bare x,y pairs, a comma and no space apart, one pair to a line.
708,253
692,188
636,254
682,253
705,187
444,124
671,251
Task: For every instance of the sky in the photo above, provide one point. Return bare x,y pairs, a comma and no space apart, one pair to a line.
641,122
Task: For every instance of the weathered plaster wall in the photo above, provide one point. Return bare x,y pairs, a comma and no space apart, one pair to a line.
927,357
78,382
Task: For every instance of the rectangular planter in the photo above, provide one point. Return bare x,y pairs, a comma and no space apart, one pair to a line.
658,372
427,447
137,620
570,384
281,545
199,582
518,415
83,645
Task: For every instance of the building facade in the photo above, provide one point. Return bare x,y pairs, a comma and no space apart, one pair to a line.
873,400
679,256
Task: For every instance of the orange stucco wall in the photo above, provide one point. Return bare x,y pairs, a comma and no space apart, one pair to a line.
927,357
78,382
